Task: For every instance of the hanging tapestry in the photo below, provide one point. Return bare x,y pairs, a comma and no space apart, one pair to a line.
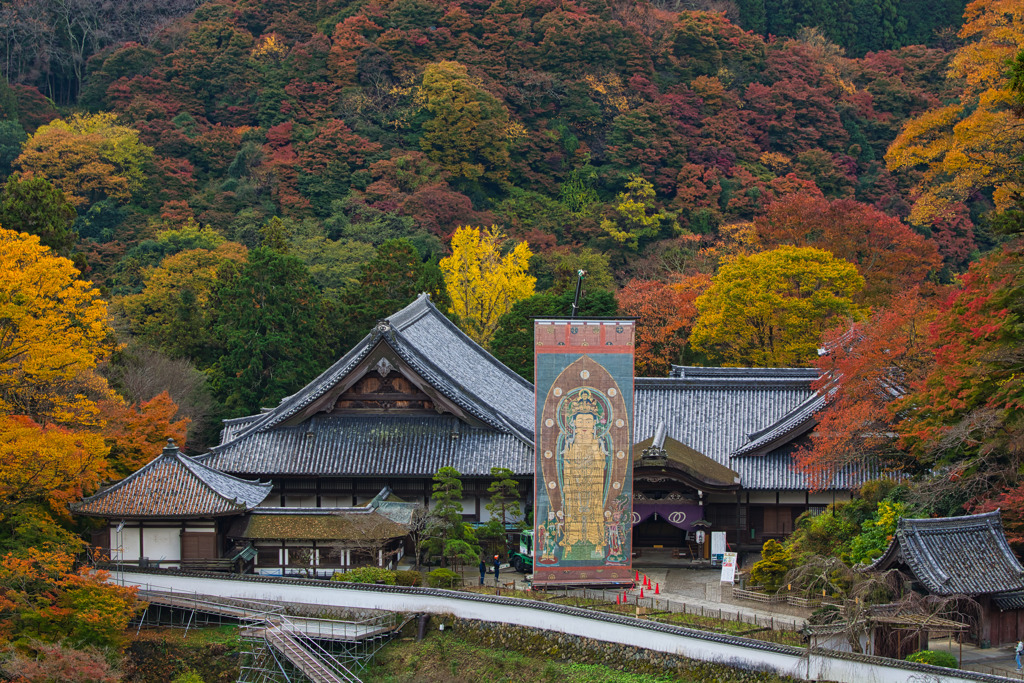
584,465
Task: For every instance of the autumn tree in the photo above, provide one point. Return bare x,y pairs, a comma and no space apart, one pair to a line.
482,282
665,314
771,309
174,307
35,206
90,157
47,465
890,256
868,367
53,334
964,419
975,143
635,216
466,132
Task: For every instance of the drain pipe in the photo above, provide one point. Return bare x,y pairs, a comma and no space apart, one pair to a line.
421,626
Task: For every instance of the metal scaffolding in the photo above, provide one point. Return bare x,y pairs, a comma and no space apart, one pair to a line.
280,648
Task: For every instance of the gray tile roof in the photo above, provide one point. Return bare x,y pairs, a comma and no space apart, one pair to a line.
951,555
374,445
174,485
742,418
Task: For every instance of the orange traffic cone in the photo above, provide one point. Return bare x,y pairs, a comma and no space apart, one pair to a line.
641,592
618,599
637,575
625,598
657,589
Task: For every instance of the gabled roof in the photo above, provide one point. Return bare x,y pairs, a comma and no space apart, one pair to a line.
952,555
173,485
453,365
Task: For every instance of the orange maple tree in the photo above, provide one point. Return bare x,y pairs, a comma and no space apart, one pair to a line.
868,367
665,314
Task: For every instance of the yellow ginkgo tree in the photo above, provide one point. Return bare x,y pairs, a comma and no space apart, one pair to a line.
484,283
53,333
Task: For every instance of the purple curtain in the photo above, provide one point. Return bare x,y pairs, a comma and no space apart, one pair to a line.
681,516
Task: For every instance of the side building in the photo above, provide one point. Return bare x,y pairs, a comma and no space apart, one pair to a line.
713,445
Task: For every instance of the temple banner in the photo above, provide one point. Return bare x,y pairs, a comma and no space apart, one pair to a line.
584,463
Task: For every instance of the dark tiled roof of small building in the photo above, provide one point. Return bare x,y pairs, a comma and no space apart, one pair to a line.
317,524
955,555
174,485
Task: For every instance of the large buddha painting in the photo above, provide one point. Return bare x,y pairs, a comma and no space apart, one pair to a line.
583,498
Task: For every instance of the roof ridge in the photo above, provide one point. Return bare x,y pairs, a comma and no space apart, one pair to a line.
201,471
443,319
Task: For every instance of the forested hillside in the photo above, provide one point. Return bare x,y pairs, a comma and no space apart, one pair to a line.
204,204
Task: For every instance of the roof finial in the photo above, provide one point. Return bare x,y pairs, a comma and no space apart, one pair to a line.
171,448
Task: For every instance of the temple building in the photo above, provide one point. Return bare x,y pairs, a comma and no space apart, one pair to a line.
965,556
713,445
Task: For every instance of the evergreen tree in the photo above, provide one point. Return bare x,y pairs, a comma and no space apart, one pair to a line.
513,341
504,505
35,206
272,328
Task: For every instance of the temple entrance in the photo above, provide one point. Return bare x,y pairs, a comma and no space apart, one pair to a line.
658,532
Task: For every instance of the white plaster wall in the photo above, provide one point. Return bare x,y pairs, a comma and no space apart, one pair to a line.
802,665
293,501
761,497
335,501
791,497
124,546
162,544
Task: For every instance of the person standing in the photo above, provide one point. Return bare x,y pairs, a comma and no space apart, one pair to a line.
497,567
483,570
1017,651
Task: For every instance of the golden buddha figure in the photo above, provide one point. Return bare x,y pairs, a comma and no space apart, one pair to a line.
584,467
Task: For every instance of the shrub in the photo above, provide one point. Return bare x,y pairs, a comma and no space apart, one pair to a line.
58,662
408,578
443,578
934,657
188,677
366,575
771,570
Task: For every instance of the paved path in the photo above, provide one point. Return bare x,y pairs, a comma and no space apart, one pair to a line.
699,589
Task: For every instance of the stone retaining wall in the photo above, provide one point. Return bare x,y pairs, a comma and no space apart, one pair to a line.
573,648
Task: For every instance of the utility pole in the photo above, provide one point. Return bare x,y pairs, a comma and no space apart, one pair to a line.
579,289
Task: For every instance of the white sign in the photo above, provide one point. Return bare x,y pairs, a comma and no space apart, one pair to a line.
717,542
729,568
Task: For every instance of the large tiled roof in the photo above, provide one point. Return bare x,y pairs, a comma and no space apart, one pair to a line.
955,555
374,445
745,419
174,485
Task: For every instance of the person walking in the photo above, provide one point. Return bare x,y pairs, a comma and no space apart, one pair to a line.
483,570
497,568
1017,651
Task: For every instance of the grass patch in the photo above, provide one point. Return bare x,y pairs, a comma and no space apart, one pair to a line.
443,657
226,634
